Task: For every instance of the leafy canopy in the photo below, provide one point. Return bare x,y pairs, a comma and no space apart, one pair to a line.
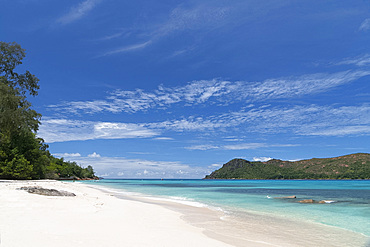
22,154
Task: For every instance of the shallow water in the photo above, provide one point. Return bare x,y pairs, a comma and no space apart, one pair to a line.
349,208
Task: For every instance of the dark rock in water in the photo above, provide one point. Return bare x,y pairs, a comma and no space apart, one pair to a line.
286,197
46,192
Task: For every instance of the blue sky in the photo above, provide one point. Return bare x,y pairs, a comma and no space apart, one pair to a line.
175,89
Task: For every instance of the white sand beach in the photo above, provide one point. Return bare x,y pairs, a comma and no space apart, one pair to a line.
97,218
92,218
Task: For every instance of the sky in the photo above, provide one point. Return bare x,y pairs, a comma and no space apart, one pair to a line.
175,89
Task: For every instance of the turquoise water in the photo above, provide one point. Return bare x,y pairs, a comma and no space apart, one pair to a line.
348,204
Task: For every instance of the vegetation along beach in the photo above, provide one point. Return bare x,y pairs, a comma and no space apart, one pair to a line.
185,123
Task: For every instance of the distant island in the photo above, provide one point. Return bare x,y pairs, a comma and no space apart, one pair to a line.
353,166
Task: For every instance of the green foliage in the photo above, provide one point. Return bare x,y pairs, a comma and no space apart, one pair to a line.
15,165
15,111
11,55
60,169
22,154
354,166
16,115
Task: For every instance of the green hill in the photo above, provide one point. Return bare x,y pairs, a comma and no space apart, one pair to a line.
353,166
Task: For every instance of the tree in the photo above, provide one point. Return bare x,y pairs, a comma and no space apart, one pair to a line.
18,122
11,55
22,154
15,111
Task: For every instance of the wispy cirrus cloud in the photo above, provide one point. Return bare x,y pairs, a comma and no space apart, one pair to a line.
239,146
192,124
77,12
300,120
197,17
178,20
355,129
127,49
202,147
365,25
312,120
200,18
115,35
247,146
360,61
62,130
213,91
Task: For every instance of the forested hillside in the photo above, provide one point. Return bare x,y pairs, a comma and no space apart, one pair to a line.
353,166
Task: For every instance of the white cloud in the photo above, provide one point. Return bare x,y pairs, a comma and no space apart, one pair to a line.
199,17
127,48
202,147
61,130
94,155
294,160
306,120
365,25
163,138
245,146
67,155
360,61
338,130
139,168
213,166
190,124
262,159
301,120
114,36
77,12
239,146
179,19
303,85
213,92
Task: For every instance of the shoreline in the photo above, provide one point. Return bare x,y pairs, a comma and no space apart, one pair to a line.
249,228
99,216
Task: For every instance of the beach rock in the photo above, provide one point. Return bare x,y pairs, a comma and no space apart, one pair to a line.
307,201
286,197
313,201
46,192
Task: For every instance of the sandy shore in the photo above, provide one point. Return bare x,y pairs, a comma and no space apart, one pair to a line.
97,218
92,218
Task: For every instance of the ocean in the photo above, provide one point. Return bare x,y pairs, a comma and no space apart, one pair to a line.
347,201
